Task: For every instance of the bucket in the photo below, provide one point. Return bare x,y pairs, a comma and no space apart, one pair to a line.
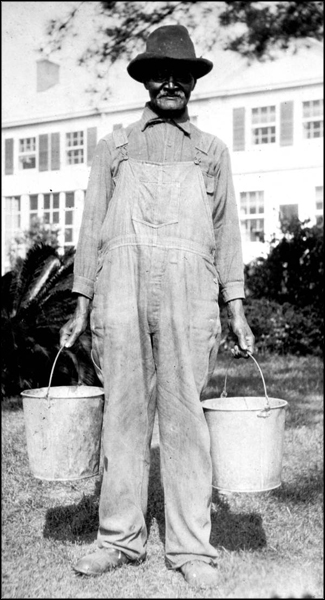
247,438
63,430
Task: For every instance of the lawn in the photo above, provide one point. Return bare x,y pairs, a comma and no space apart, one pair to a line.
270,544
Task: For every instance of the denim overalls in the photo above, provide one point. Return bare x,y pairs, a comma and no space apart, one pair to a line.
155,324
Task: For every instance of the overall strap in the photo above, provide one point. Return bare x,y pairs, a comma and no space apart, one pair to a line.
121,141
201,145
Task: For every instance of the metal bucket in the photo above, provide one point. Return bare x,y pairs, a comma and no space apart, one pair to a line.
63,427
247,439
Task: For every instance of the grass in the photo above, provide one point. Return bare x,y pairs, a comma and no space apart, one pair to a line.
270,544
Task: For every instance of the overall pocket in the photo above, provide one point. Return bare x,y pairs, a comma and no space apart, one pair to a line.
156,204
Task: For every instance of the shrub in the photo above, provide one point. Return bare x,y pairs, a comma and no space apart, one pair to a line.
285,293
294,269
279,328
36,300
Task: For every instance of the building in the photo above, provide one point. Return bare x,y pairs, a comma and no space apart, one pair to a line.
269,114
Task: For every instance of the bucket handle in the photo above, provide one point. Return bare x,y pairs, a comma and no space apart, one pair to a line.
265,412
52,371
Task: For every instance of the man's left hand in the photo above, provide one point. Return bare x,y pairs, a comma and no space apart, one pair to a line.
238,325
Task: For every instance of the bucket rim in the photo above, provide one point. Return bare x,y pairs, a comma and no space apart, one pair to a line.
92,392
207,407
246,491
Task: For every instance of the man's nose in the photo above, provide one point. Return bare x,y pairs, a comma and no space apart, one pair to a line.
170,82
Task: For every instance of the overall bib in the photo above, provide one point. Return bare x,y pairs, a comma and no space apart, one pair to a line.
155,323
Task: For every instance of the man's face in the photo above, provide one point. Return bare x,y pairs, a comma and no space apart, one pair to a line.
170,88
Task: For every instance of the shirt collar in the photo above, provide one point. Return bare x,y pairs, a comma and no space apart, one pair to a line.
149,117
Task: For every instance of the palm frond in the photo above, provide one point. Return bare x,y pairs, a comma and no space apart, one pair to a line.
28,272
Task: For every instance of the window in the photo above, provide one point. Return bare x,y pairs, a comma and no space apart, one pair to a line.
51,208
252,216
68,219
12,218
263,124
27,153
33,208
75,147
288,212
319,204
313,119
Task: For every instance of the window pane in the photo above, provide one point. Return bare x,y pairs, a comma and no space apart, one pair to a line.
56,217
68,235
312,108
68,217
69,199
27,162
27,144
263,114
46,201
33,202
288,211
56,200
74,138
252,203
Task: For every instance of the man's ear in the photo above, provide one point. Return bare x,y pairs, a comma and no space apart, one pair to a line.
194,84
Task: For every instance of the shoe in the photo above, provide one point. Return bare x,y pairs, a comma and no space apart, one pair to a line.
101,561
200,574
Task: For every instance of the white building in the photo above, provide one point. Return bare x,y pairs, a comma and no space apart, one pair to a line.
269,114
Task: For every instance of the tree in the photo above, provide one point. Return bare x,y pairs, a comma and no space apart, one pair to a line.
36,300
253,29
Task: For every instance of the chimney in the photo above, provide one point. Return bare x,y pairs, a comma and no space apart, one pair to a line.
47,74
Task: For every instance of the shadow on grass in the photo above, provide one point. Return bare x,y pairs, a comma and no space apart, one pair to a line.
79,522
306,489
232,531
75,522
235,531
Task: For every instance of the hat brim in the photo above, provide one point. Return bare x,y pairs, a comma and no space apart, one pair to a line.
142,64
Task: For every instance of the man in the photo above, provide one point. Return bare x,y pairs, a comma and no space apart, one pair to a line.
159,238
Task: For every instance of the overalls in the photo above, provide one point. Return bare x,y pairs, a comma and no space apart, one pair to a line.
155,323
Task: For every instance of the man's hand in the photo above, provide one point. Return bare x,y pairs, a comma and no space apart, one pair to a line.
70,332
238,325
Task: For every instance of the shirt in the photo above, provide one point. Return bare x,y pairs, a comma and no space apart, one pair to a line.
157,139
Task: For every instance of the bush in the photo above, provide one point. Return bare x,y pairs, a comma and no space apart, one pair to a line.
294,269
36,300
285,293
279,328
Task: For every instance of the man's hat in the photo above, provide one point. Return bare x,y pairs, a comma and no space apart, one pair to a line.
169,42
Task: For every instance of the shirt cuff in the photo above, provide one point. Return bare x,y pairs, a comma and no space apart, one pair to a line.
232,291
83,286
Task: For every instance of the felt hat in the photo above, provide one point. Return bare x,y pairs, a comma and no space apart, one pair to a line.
169,42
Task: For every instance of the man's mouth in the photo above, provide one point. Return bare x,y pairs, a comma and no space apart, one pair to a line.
170,96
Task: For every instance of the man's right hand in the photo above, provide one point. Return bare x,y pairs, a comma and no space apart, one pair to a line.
70,332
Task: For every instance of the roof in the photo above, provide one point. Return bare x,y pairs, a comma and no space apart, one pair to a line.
232,74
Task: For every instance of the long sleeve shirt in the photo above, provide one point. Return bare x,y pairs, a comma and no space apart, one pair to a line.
163,140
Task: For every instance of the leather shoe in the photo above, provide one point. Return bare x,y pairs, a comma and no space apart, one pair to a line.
200,574
101,561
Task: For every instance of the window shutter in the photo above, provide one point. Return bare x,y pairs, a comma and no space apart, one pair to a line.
9,156
286,123
239,129
55,151
91,143
43,163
